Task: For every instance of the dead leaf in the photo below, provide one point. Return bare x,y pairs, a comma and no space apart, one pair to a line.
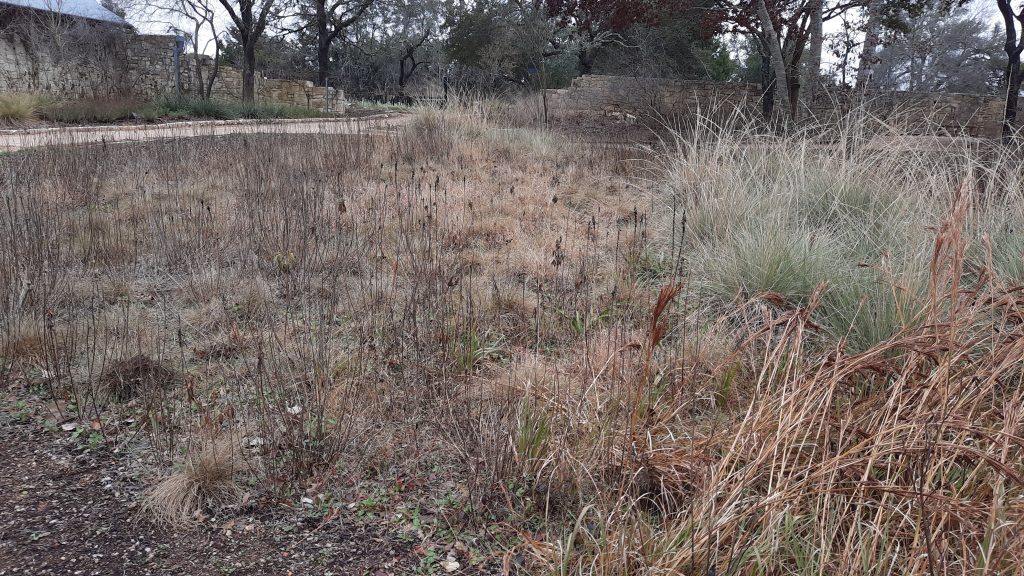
450,564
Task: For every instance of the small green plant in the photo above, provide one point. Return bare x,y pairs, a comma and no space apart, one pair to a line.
95,441
582,322
369,505
22,413
474,349
429,562
532,438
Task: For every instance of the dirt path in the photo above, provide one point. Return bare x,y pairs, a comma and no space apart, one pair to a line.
12,140
67,511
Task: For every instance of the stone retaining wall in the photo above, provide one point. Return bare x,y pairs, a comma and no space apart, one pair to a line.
78,60
89,60
969,114
228,86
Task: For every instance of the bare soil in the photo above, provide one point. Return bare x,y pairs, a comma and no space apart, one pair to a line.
69,510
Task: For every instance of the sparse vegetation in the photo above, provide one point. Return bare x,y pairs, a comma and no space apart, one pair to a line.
740,354
93,111
223,110
22,109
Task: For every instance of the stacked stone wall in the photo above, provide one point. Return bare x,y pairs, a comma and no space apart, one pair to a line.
228,86
76,60
150,64
970,114
90,60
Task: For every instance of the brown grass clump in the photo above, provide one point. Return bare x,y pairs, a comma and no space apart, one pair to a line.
26,343
19,108
207,482
136,376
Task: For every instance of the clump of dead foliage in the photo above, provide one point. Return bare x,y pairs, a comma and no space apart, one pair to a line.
135,376
206,483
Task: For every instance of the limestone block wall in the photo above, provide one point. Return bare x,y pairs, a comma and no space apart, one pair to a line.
23,71
910,112
75,62
88,60
150,63
228,86
916,112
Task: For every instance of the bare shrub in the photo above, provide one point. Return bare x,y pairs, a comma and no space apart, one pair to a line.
138,375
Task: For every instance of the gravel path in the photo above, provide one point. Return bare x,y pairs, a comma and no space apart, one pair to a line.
65,512
12,140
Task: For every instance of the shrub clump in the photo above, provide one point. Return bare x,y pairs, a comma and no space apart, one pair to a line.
19,107
130,378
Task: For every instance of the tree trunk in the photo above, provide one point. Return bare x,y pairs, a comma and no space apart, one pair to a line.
585,63
781,82
767,86
200,84
872,38
811,71
323,44
197,62
249,72
215,71
1011,76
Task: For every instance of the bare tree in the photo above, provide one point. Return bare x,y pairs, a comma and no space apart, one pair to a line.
945,51
1013,47
791,38
872,38
843,46
408,58
392,43
778,63
194,19
331,18
250,18
811,63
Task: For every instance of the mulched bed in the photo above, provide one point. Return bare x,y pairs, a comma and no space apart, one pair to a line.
68,511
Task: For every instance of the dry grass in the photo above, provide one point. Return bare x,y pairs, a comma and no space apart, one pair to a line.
207,482
18,108
26,343
741,355
138,375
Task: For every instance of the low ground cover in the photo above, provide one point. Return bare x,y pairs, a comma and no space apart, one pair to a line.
24,110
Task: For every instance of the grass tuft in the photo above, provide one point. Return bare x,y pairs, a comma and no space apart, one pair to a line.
206,483
18,108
